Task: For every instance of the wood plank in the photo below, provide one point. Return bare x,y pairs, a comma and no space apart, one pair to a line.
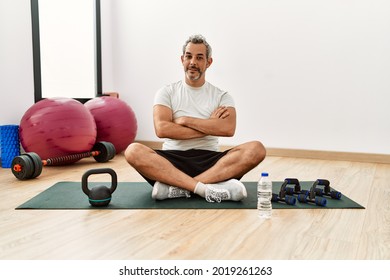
199,233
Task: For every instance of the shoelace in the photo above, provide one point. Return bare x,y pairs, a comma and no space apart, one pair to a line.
178,192
216,195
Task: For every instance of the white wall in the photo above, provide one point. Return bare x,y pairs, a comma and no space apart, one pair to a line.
16,62
304,74
107,43
16,58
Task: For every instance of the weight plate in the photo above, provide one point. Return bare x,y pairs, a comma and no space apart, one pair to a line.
106,149
22,167
112,150
37,163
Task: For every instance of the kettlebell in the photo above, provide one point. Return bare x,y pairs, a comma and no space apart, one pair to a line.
99,196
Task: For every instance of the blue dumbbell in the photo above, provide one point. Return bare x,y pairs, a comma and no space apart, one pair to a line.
318,200
327,190
289,200
295,189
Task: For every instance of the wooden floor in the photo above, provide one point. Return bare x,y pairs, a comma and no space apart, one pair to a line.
202,234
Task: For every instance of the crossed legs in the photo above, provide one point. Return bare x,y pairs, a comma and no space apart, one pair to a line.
238,161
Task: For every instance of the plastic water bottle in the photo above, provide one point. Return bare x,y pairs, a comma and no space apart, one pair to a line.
264,195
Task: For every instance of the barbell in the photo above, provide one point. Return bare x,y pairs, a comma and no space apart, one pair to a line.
29,165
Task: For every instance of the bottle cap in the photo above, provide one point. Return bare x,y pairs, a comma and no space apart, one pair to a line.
264,174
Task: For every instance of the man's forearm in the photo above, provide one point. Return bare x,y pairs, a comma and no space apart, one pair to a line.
167,129
214,126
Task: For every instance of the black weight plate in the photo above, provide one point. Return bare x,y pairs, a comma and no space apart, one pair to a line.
37,162
112,151
105,149
27,167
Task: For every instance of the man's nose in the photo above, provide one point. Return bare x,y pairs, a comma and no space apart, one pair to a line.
193,61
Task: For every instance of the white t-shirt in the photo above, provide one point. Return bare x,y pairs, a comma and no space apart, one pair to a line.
185,100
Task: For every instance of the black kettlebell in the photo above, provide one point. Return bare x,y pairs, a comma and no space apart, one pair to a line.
100,195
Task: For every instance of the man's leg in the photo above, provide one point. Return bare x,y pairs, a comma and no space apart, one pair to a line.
147,162
237,162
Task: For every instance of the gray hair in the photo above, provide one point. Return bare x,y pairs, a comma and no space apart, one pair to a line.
198,39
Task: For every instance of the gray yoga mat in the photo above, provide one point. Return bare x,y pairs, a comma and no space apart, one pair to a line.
137,195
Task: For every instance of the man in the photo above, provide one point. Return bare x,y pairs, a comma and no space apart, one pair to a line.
191,115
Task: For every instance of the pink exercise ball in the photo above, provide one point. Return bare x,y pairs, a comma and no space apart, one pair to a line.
115,121
56,127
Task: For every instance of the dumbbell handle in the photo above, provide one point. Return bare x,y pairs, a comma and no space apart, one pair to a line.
291,181
69,158
84,179
322,182
291,191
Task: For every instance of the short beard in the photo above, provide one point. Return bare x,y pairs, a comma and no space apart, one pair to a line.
192,77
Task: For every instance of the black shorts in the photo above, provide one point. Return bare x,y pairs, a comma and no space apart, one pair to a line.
192,162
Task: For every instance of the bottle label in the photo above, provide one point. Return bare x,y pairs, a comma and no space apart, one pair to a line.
264,199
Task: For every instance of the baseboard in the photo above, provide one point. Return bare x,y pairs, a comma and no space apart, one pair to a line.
329,155
309,154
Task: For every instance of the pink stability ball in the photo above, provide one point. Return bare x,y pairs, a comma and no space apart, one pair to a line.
115,121
56,127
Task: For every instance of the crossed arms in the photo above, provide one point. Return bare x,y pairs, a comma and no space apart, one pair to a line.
222,122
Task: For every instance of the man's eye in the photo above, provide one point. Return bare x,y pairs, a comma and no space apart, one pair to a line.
200,57
188,57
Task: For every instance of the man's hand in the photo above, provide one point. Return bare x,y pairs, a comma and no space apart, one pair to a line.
220,113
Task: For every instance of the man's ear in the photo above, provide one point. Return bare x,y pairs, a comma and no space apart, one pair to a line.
209,61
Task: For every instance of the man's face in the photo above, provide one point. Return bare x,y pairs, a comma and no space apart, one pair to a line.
195,62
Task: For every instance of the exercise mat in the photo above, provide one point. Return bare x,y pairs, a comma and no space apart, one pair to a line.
137,195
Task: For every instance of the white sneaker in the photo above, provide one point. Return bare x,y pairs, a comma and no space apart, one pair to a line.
228,190
163,191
